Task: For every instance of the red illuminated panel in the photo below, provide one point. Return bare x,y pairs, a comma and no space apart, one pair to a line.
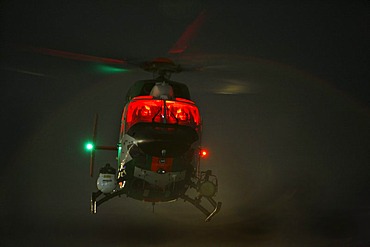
164,164
142,109
147,109
184,112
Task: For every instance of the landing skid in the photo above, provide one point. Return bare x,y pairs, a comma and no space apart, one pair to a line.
206,185
196,202
95,203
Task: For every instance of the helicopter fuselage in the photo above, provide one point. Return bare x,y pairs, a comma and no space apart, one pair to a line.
159,149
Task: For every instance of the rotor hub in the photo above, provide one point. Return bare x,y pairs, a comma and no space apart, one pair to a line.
162,66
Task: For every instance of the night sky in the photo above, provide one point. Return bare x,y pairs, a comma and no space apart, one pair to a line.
283,88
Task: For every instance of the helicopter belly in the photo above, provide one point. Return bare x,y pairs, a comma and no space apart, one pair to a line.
160,180
156,161
152,178
148,185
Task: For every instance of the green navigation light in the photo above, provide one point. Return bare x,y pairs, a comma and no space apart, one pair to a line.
89,146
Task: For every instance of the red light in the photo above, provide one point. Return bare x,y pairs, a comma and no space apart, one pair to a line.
203,153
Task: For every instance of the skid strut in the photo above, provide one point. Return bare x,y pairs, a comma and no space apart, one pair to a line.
206,186
95,202
196,202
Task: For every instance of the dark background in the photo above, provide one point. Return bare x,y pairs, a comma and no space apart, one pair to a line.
283,88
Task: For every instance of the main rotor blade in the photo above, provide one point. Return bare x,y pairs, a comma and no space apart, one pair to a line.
71,55
183,42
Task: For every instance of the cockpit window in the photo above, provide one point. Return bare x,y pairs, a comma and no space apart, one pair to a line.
146,109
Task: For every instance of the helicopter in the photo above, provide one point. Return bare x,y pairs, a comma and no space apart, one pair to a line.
159,148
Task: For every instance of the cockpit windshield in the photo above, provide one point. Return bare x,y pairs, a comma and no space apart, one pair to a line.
146,109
